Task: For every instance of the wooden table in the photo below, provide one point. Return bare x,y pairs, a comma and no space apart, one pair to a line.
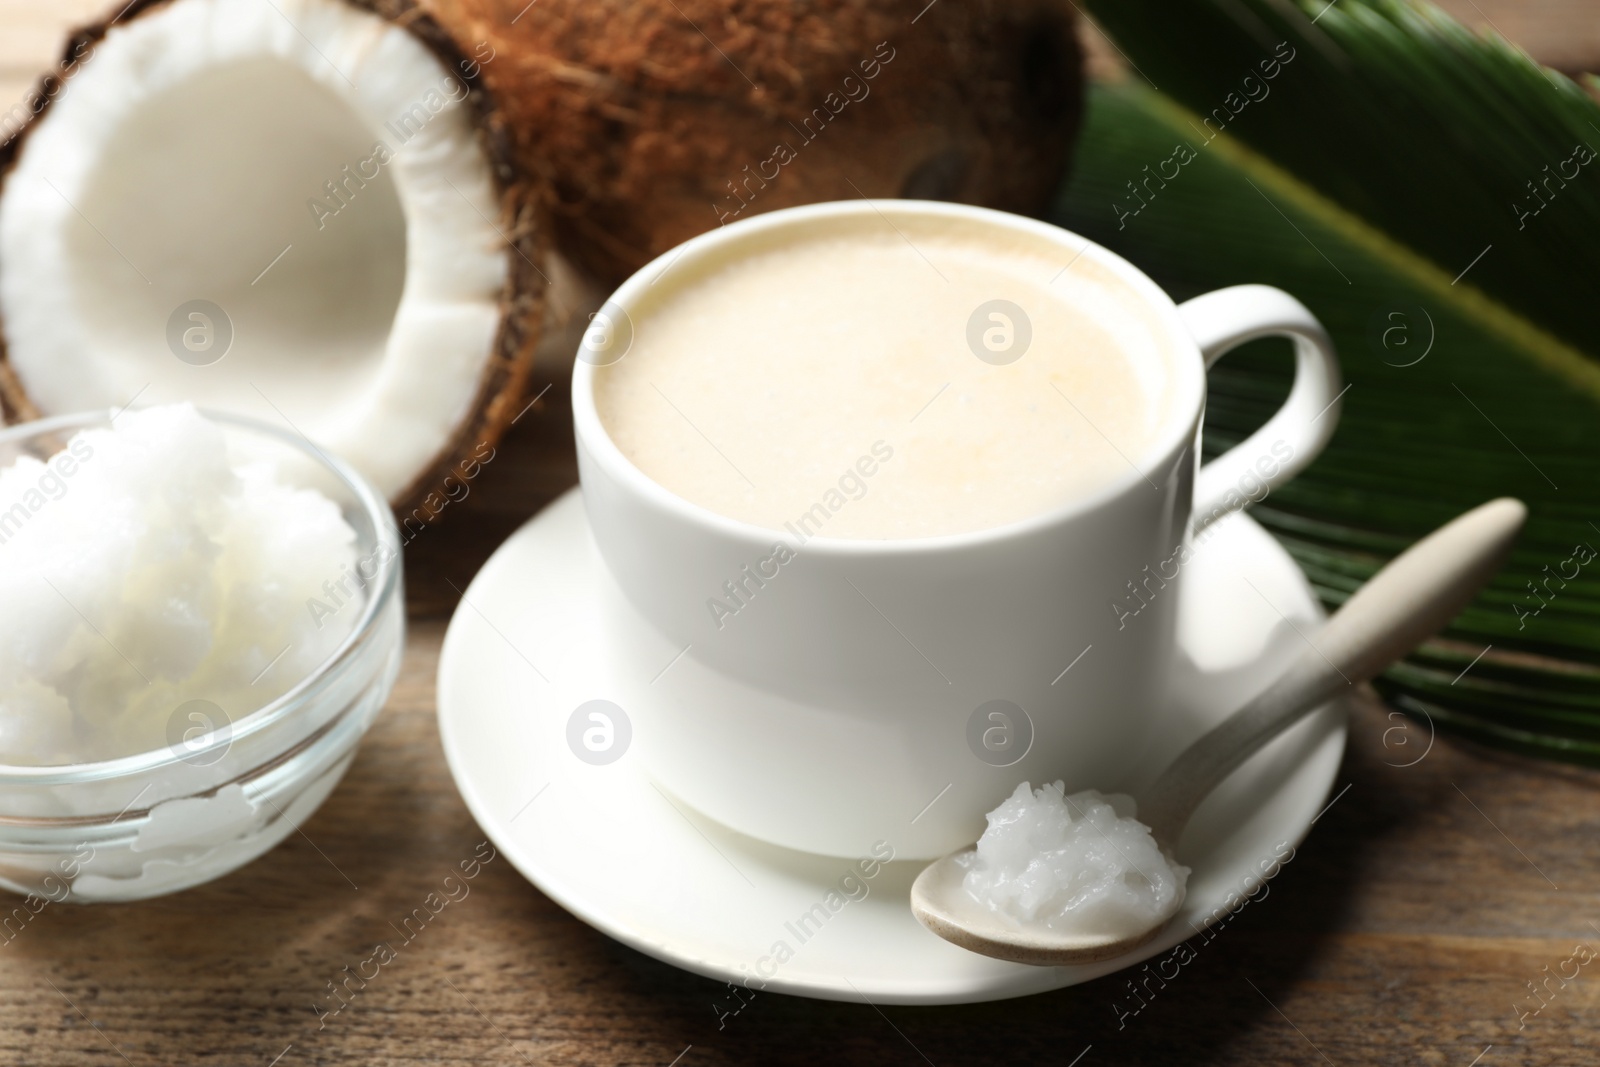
1407,929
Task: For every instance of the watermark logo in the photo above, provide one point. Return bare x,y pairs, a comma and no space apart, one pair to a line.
608,336
1402,336
52,888
599,732
1153,977
1583,554
351,981
1398,739
854,885
1252,487
851,90
51,485
1250,89
199,332
999,332
999,732
199,733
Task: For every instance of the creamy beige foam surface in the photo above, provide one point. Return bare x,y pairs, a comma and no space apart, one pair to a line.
826,386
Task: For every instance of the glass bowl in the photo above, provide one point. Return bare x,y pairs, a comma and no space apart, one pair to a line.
227,788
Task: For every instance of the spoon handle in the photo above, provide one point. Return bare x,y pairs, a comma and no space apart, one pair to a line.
1420,591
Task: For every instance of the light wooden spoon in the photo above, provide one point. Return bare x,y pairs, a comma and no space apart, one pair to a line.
1414,596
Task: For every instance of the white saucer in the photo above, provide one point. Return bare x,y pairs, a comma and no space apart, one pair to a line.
605,844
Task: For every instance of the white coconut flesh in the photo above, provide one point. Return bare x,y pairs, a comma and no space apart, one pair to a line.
189,159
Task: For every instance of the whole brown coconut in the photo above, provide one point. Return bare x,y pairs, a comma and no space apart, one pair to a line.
655,120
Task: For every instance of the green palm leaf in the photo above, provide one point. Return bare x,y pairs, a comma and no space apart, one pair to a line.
1378,164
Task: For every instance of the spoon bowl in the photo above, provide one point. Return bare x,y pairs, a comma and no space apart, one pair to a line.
943,906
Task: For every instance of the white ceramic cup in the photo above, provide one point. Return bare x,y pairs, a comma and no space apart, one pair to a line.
895,691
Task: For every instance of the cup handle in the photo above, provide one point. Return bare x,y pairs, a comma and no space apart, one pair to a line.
1223,320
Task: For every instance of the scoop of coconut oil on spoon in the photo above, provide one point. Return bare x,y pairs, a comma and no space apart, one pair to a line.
1062,879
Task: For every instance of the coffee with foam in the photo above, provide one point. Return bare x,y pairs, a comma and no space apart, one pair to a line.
876,381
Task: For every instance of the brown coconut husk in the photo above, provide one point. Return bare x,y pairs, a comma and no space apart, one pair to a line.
640,113
503,382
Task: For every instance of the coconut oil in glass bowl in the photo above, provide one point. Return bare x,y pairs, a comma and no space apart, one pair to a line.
227,784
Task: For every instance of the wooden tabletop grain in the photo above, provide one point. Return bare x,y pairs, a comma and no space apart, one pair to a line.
1443,910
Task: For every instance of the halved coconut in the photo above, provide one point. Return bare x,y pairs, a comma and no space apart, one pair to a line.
303,210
